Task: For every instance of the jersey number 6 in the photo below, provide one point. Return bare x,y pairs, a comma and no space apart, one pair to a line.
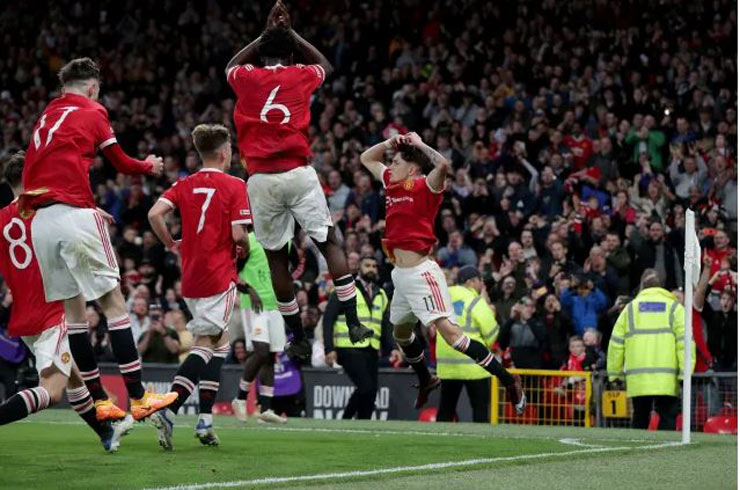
269,106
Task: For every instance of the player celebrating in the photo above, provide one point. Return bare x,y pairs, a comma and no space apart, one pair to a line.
70,237
215,213
271,115
264,332
41,326
412,203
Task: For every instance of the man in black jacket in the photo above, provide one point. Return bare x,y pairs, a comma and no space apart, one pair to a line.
525,334
654,252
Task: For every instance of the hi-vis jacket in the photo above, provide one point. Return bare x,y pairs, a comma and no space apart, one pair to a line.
478,321
647,344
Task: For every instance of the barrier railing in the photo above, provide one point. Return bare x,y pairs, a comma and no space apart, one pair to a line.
554,398
583,398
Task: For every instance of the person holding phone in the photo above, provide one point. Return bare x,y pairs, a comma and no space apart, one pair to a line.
158,343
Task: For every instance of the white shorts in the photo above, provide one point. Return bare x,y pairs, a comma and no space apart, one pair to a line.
74,252
51,348
211,315
279,200
420,292
267,327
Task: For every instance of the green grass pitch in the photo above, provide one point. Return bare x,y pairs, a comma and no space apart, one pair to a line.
54,450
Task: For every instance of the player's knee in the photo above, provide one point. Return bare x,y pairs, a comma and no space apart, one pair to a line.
403,334
448,330
54,384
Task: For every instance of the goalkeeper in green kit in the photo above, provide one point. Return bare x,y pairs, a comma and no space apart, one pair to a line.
264,333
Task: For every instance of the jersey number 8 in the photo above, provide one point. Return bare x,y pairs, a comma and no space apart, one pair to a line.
16,243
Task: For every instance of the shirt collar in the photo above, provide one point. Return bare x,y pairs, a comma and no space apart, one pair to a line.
207,169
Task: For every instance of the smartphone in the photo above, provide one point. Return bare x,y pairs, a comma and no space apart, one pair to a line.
155,312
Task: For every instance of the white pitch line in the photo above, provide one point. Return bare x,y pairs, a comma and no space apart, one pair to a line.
405,469
391,432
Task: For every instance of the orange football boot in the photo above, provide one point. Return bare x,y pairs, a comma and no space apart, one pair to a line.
150,403
107,410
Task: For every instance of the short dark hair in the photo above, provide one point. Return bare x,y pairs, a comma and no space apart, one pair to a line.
208,138
369,257
13,171
277,43
414,155
79,70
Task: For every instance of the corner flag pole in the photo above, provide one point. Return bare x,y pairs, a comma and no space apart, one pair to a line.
692,258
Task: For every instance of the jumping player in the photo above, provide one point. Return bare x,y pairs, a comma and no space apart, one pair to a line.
70,236
264,332
41,326
271,116
215,213
412,202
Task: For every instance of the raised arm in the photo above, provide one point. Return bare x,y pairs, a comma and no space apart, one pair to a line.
372,158
436,178
700,292
278,16
247,54
311,54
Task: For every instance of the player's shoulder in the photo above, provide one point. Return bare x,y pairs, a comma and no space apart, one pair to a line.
10,212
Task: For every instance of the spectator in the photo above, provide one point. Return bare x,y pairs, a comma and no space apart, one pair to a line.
595,355
618,259
159,343
586,305
525,334
456,253
140,320
559,329
652,251
175,320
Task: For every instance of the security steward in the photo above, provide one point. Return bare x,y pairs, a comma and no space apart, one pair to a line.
647,347
360,360
456,370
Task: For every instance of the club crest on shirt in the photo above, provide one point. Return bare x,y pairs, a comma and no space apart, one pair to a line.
65,357
408,185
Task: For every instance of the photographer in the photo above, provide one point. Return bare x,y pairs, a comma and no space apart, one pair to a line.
158,343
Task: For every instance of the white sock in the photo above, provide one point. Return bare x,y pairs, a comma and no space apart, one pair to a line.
207,418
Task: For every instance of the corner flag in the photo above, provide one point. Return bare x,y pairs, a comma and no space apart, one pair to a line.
692,269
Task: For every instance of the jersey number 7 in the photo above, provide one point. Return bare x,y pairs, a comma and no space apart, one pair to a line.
209,192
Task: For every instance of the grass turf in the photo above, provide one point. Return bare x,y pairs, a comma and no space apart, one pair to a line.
54,450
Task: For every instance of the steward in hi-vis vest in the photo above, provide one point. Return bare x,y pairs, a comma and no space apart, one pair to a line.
360,360
456,370
647,347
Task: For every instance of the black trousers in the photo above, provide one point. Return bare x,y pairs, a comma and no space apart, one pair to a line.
479,393
666,406
361,365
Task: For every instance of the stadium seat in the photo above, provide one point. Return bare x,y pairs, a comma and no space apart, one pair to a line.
721,425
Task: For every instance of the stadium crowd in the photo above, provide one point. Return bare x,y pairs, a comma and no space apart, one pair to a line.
579,132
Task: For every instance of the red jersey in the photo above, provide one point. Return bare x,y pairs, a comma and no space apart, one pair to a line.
582,151
411,207
272,114
62,148
30,314
704,357
209,201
